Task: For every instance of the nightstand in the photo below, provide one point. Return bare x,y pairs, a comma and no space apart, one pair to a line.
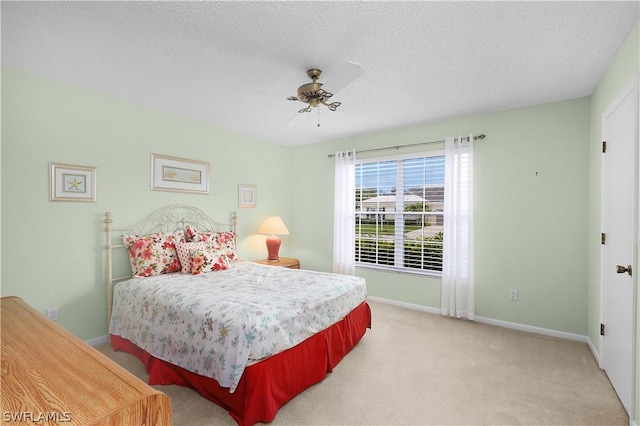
285,262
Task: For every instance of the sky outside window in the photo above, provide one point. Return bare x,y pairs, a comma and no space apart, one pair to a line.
418,172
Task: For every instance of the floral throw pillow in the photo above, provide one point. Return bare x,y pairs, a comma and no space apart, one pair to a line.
207,260
194,236
219,240
184,253
153,254
226,241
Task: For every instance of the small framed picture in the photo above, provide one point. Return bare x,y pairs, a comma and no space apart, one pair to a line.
247,196
72,183
179,174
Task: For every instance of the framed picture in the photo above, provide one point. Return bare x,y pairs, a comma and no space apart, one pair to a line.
179,174
72,183
247,196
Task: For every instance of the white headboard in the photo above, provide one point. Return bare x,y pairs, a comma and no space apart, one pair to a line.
171,218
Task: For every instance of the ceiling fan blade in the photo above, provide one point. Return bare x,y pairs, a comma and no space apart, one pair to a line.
262,92
345,76
292,98
290,122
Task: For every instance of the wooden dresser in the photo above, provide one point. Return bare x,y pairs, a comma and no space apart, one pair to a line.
49,376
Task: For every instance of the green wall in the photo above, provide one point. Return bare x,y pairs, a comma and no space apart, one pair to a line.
531,192
53,252
530,229
624,67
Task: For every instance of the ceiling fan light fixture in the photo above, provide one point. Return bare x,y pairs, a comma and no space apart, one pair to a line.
313,94
308,91
313,101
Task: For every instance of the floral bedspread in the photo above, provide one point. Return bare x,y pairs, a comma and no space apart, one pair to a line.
214,324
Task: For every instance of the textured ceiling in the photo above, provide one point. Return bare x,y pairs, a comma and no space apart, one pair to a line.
232,64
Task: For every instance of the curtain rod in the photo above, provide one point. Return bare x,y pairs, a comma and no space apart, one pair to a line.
480,136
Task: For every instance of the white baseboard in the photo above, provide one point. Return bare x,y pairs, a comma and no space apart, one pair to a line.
491,321
532,329
594,352
412,306
545,332
96,341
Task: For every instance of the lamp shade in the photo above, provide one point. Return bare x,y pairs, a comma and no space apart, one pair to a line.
273,225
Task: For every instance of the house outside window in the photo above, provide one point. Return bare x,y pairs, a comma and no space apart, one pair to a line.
399,213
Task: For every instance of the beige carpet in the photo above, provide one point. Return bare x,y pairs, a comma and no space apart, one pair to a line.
415,368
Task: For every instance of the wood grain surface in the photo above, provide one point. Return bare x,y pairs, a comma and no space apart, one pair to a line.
49,376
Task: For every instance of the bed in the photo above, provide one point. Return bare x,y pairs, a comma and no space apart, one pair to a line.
246,336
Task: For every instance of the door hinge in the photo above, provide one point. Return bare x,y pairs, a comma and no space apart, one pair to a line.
603,238
604,146
601,329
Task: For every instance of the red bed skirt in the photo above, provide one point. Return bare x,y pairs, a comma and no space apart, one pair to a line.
268,385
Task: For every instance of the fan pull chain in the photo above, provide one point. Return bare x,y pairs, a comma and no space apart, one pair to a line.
318,116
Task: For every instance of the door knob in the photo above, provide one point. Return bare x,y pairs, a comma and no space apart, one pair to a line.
622,269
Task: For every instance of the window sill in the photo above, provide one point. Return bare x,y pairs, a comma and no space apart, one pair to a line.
404,271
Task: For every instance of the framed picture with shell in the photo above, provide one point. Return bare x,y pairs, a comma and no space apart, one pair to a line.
179,174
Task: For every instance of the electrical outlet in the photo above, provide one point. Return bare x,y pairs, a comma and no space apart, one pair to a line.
513,294
52,314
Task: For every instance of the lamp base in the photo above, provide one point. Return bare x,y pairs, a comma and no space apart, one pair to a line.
273,246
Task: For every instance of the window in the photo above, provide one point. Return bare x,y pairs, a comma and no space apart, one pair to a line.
399,213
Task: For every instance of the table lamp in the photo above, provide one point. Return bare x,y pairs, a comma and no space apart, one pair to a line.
273,226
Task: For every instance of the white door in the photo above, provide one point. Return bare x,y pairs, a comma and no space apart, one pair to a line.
619,221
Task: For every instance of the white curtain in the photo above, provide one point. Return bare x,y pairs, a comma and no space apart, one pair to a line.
344,229
458,295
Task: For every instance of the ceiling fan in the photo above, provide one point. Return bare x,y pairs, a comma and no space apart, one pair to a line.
313,94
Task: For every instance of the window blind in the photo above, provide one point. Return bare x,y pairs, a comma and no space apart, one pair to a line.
399,213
